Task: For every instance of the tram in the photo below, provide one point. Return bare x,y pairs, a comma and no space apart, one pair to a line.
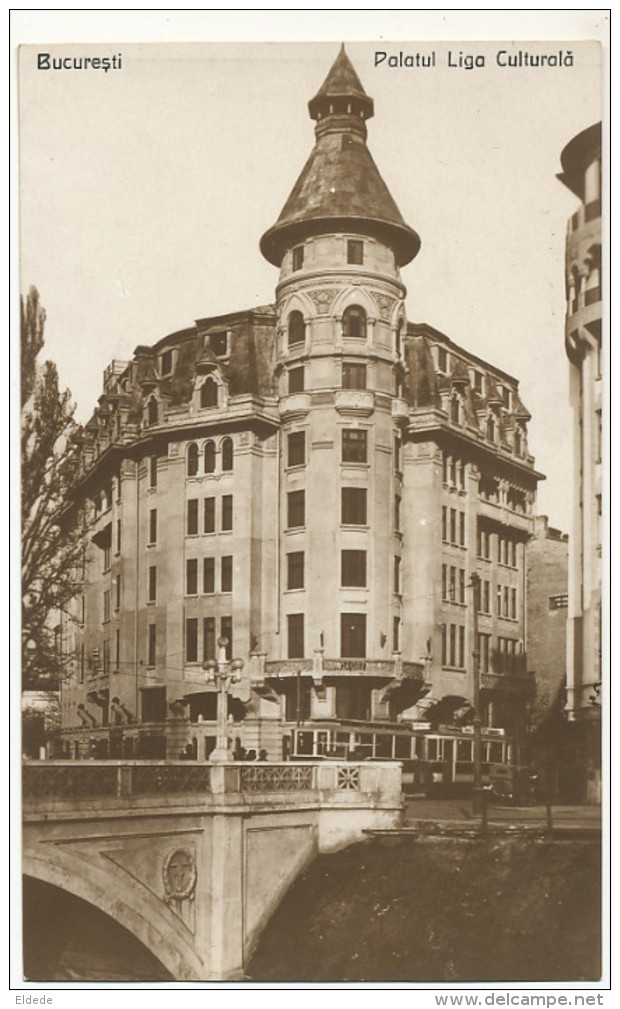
436,759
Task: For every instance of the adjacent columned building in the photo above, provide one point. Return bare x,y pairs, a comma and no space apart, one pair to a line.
581,163
312,483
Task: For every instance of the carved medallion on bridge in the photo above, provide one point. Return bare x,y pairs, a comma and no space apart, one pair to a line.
179,875
323,299
385,304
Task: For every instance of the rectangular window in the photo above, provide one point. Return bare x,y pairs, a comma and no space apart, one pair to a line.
397,574
462,528
295,631
453,525
107,548
396,634
208,575
152,588
452,589
444,581
484,544
452,644
191,577
353,375
296,509
397,502
398,446
485,596
295,570
444,645
444,524
461,655
297,448
191,640
226,630
227,512
219,343
208,638
298,257
445,467
513,604
353,506
453,471
153,471
499,601
192,517
153,526
296,379
506,601
151,656
442,359
353,635
118,586
353,568
460,474
462,585
355,252
209,515
106,605
106,656
226,574
483,645
117,649
354,445
478,381
118,536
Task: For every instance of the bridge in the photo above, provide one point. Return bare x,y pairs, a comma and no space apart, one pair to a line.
194,858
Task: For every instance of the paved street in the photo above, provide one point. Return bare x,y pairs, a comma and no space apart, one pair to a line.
421,808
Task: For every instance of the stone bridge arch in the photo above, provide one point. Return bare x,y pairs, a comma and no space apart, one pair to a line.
143,915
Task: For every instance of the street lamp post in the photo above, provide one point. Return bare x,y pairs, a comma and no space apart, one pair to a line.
479,803
223,674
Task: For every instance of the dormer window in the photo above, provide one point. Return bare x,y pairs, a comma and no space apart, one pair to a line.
219,343
298,257
455,410
505,392
478,382
442,359
152,412
491,429
208,393
355,252
166,363
354,322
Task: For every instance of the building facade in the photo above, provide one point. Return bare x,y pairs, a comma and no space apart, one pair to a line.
312,483
581,163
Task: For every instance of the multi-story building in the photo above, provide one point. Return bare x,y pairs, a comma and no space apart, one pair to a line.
315,482
581,163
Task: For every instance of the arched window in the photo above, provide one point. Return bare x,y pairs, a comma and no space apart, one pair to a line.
227,455
354,322
152,412
296,329
208,393
192,459
455,410
399,336
210,457
518,441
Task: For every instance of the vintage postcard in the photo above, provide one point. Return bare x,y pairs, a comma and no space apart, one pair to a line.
313,414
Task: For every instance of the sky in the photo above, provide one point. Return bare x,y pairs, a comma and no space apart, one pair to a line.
144,192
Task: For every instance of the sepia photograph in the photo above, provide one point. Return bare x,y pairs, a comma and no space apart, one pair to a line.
313,426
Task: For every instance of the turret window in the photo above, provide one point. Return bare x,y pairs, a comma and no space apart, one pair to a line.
297,448
296,379
355,252
219,343
354,445
210,457
296,329
152,412
208,393
192,460
227,455
353,375
354,322
298,257
166,363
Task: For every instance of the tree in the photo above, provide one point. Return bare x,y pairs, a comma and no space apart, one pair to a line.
53,530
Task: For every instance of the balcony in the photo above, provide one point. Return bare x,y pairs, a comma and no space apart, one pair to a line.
400,411
295,406
354,402
319,667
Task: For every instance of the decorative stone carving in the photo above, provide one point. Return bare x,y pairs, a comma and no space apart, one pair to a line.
179,872
323,299
174,448
244,438
385,303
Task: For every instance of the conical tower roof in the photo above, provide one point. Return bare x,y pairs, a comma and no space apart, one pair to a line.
340,187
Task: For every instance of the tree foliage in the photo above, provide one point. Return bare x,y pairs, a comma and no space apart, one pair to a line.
53,531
